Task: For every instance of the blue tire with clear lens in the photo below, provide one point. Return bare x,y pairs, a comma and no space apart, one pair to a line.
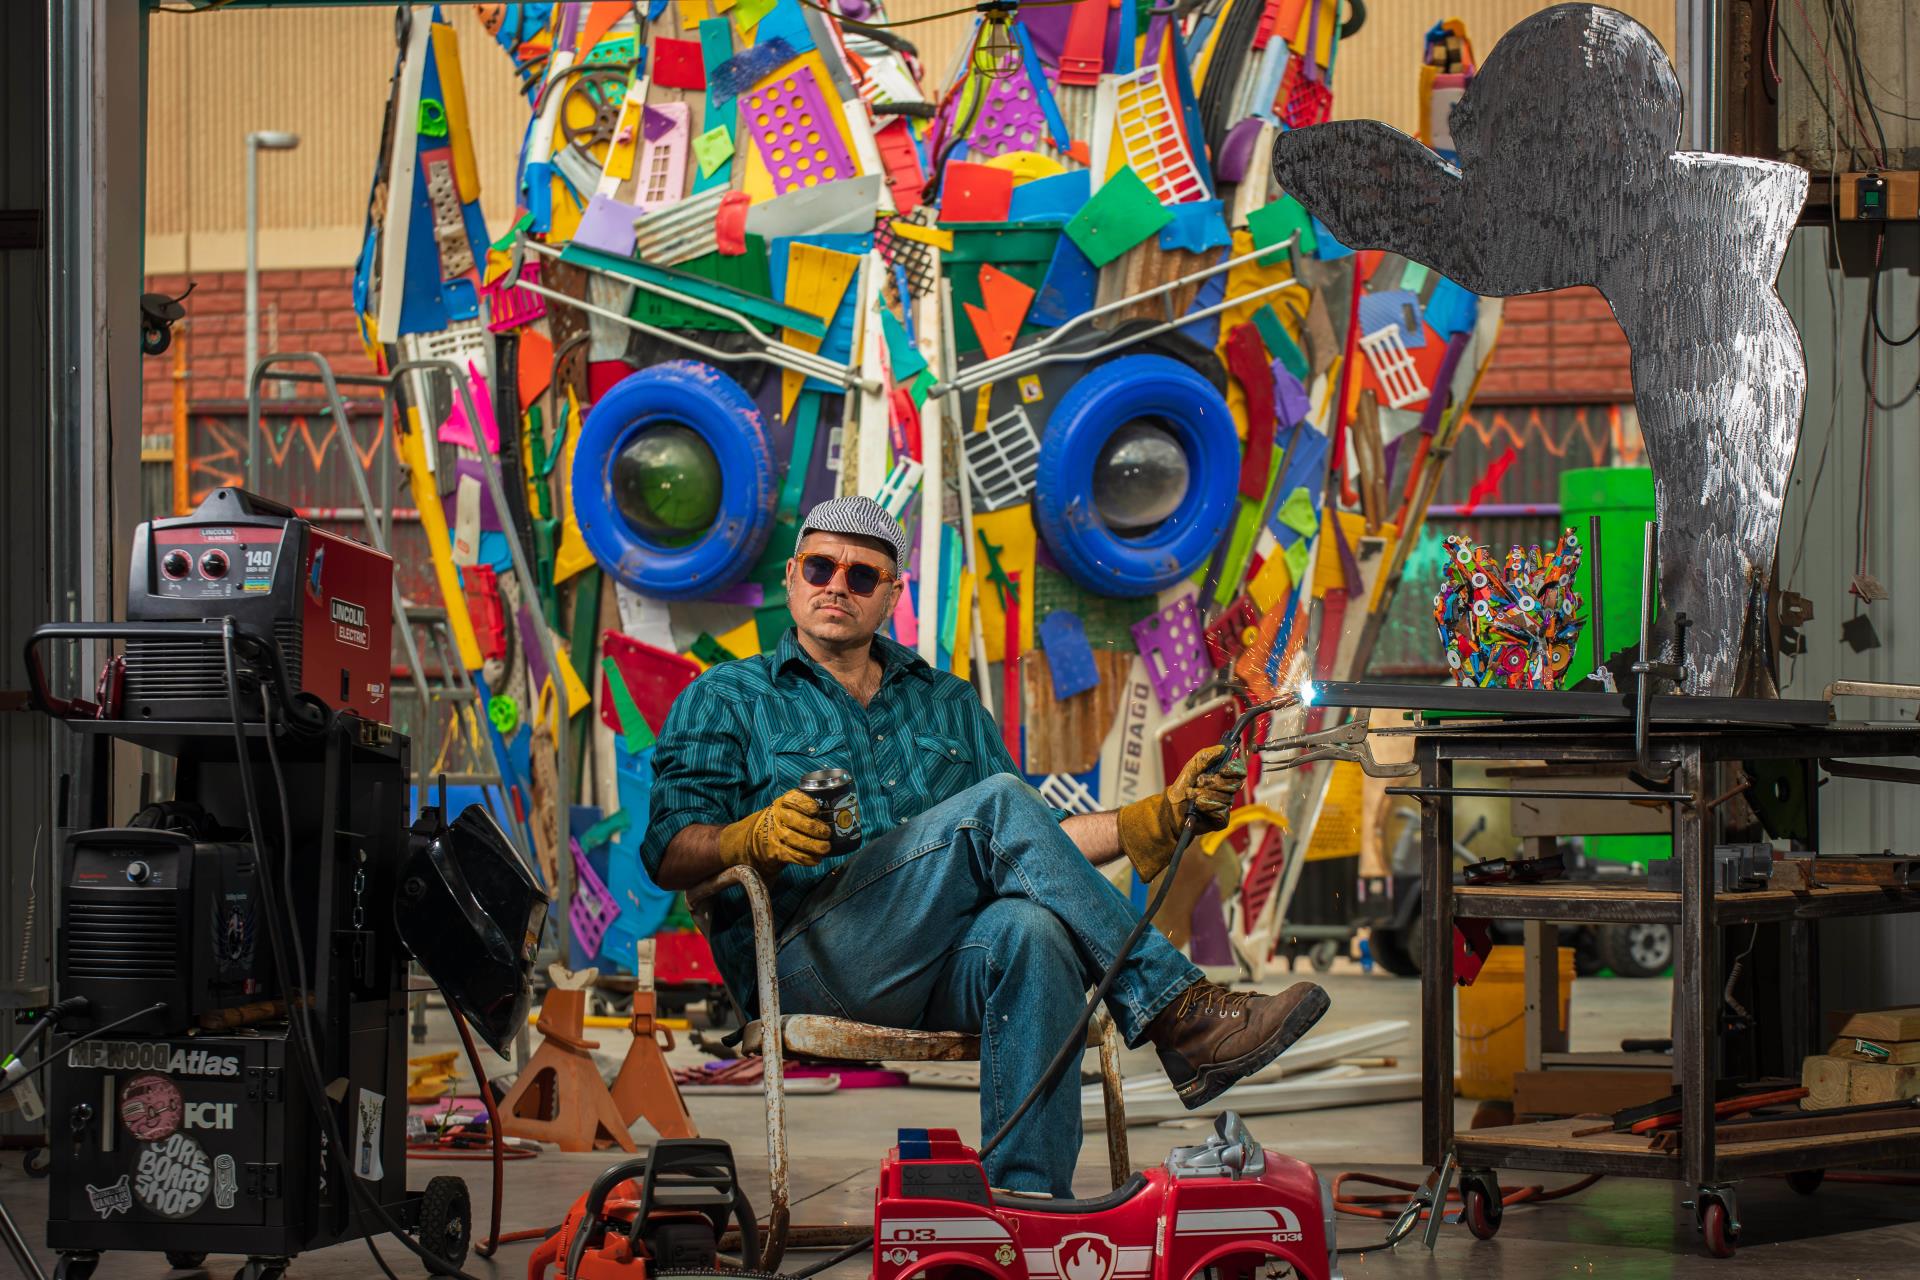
698,397
1114,562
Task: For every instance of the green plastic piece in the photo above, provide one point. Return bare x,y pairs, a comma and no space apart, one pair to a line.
772,621
709,650
1022,250
1296,512
1108,620
1246,528
711,278
634,729
432,118
922,388
605,829
902,355
770,570
716,46
1122,213
1271,224
806,425
504,712
1280,345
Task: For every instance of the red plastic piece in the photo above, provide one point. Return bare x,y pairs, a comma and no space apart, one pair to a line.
654,677
681,957
730,223
975,193
677,64
1227,634
901,159
1248,361
482,590
1084,55
1472,944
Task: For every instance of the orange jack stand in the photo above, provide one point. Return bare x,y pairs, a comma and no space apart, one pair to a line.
560,1097
645,1089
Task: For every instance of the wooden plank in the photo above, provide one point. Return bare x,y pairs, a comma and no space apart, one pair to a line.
1895,873
1894,1050
1826,1081
1882,1082
1572,1092
1884,1024
1627,1061
1541,980
1815,1124
1065,735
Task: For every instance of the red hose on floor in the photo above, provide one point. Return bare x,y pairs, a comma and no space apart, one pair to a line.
1371,1206
494,1240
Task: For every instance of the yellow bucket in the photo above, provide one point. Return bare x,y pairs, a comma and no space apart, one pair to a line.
1490,1023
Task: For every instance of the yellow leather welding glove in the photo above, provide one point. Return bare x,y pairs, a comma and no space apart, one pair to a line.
1150,828
790,830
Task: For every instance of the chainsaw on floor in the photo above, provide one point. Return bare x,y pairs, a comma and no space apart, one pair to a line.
662,1212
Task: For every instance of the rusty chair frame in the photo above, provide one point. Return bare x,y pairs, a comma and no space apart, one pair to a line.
820,1036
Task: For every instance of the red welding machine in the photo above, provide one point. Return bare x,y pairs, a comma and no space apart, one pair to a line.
1223,1210
324,602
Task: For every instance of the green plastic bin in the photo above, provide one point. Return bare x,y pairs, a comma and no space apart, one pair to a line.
1623,499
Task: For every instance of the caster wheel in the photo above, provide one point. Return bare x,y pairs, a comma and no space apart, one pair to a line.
1481,1213
446,1221
1806,1181
1716,1232
182,1260
75,1266
1323,954
38,1162
263,1269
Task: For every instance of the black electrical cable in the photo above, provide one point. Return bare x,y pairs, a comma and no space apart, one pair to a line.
156,1007
304,1053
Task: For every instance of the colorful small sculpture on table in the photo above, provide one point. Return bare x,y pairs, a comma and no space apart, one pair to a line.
1512,623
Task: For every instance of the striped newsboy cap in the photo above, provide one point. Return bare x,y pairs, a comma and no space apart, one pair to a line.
862,516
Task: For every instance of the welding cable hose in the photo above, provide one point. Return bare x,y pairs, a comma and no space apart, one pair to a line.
1074,1042
278,911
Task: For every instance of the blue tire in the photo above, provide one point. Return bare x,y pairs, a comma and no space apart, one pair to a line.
697,396
1143,386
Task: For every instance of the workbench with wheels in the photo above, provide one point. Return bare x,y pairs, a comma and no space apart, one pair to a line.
1700,741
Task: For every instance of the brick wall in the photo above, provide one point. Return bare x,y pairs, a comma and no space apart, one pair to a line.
299,311
1558,345
1552,345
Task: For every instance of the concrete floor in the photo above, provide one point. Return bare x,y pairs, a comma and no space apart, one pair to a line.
1621,1227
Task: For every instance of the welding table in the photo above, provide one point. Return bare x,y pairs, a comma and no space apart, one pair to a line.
1696,737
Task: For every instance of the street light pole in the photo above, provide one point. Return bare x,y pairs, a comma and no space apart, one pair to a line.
271,141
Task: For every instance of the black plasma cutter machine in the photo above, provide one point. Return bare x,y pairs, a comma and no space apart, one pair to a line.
192,1128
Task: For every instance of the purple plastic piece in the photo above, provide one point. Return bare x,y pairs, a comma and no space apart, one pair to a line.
795,132
1236,151
1011,119
1170,641
593,907
607,225
655,124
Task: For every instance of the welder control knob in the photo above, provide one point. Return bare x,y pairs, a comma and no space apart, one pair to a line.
176,563
214,564
138,872
80,1116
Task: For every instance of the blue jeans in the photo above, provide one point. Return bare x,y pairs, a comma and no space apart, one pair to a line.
980,915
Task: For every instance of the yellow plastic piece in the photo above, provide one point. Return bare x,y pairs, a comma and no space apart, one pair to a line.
743,641
1025,166
433,521
963,628
1491,1024
626,137
1269,586
938,237
572,555
1012,531
453,97
817,280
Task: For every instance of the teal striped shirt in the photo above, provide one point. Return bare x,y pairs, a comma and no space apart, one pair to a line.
746,731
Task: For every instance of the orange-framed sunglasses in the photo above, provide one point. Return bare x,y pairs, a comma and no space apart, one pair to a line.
863,579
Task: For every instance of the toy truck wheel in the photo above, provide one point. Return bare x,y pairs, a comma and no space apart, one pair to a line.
446,1221
1481,1213
185,1260
1806,1181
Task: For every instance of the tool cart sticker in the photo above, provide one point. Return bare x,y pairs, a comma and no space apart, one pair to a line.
150,1107
224,1182
209,1115
173,1176
115,1197
372,1108
150,1055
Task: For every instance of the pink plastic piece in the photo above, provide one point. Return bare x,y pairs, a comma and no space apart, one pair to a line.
796,133
593,907
509,308
1172,644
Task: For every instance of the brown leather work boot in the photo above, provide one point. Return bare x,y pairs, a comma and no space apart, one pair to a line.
1211,1037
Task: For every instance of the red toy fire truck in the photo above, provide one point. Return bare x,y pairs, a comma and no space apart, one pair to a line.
1224,1210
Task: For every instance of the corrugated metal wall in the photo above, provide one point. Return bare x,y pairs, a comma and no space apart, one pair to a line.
217,75
1865,962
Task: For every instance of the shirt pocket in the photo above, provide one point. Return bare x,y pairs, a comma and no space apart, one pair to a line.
946,763
792,756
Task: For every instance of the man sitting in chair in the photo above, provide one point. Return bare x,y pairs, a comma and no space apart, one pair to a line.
971,906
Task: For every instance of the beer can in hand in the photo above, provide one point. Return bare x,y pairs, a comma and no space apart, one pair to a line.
832,791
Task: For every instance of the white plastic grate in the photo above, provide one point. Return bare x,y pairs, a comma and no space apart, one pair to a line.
1393,365
1002,460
